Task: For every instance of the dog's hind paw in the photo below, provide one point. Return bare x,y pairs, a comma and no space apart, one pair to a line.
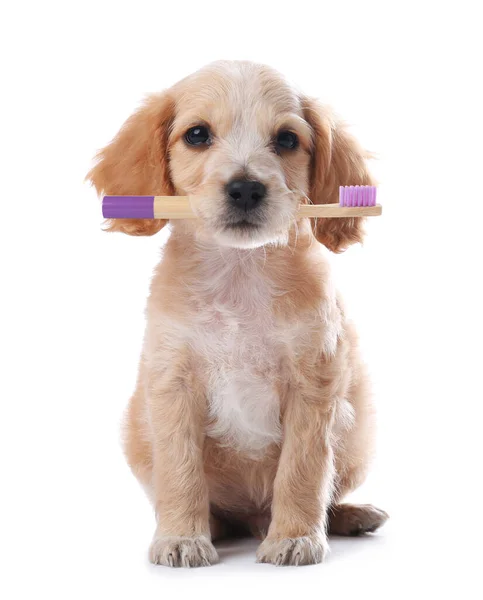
177,551
307,550
355,519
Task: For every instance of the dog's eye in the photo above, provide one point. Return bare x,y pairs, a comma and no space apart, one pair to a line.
287,140
198,136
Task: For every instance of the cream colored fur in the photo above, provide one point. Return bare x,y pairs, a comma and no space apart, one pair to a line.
252,407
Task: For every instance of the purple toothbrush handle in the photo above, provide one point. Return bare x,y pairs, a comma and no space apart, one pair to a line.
128,207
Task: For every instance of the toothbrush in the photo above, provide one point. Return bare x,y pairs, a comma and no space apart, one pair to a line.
354,201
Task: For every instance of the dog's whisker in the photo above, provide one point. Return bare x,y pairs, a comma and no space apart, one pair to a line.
220,251
264,258
296,234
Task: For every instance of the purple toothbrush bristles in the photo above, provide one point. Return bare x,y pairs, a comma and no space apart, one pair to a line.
359,195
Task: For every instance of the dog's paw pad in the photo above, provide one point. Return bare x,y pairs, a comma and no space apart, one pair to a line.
308,550
177,551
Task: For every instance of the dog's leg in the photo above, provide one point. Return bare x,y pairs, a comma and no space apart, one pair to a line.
355,519
303,485
177,407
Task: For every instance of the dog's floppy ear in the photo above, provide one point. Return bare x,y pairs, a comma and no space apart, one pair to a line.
136,162
337,159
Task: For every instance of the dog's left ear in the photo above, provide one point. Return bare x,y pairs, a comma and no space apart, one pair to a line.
337,159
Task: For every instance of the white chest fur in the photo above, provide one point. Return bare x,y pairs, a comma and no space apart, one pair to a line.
243,398
242,347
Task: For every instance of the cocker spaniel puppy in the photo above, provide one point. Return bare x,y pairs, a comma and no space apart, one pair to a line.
252,410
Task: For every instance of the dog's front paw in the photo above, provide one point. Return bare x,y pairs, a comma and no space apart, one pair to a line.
308,550
177,551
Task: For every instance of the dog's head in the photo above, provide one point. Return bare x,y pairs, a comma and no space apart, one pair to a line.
245,147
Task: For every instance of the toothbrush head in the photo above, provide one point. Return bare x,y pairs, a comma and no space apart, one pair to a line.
357,195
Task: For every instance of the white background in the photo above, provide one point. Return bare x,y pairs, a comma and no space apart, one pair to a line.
407,77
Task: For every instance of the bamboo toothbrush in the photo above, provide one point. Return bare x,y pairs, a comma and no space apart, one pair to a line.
354,201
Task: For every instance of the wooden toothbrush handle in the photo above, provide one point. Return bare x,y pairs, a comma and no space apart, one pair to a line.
178,207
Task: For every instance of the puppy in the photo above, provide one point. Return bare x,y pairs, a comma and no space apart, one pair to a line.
252,411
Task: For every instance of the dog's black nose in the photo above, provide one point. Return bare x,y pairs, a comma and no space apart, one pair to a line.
245,194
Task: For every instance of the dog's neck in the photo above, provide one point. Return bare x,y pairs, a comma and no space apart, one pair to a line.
295,273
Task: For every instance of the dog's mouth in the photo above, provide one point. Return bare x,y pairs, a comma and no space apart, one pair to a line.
238,220
242,231
242,225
